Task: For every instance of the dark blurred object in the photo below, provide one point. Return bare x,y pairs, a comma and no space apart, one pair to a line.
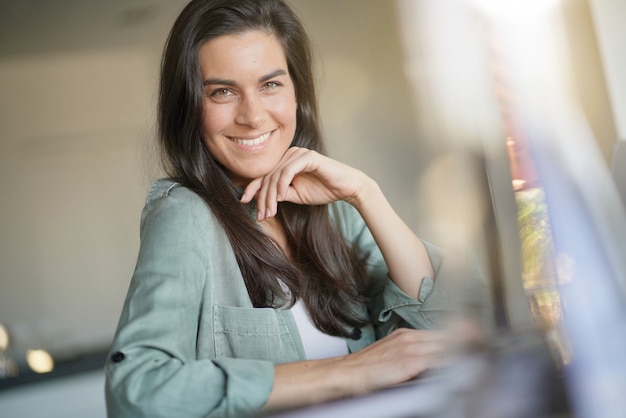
70,366
509,376
513,377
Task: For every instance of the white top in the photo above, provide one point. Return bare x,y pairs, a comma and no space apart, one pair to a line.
317,345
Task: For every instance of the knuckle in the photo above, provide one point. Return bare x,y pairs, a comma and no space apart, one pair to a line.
402,333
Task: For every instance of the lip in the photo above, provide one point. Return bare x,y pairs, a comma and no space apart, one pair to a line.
252,143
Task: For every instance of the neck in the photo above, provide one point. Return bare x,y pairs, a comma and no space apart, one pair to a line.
274,229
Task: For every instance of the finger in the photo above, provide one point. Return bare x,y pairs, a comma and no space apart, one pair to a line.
300,161
291,195
407,343
419,347
251,190
420,357
276,184
267,196
430,361
279,177
295,174
420,334
271,205
399,368
415,345
260,199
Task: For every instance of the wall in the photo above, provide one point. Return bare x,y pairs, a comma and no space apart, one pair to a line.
76,130
73,126
597,93
608,18
76,126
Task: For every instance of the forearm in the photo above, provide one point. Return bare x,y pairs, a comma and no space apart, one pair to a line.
398,357
308,382
404,253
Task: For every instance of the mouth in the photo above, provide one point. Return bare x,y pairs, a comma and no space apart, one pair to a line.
252,142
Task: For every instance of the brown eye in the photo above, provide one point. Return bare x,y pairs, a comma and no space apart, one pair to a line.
221,92
271,85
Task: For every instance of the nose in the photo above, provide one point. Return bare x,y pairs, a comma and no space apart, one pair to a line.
251,112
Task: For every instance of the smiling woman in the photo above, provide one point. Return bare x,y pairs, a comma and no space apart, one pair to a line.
249,119
258,245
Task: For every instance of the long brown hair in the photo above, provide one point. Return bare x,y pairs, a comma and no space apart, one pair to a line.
325,272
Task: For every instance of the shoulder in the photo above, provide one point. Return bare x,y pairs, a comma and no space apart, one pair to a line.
170,202
168,190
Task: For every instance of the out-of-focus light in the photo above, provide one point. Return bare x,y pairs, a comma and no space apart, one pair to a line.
452,188
4,338
514,8
40,361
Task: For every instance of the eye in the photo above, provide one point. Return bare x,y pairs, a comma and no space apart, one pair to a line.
271,85
221,92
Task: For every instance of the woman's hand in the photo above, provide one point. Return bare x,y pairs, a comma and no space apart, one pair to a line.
397,358
305,177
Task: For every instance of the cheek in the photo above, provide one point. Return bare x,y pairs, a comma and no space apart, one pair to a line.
287,112
214,122
212,125
211,122
284,107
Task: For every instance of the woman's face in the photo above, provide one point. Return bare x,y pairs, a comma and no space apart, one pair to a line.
249,105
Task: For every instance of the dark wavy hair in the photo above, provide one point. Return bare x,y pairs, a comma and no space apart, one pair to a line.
325,272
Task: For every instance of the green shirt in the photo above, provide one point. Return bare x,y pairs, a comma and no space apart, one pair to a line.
189,342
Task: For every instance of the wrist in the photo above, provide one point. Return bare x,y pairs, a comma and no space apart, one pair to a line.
349,377
367,190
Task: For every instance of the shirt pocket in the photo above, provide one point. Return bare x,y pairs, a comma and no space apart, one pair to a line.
253,333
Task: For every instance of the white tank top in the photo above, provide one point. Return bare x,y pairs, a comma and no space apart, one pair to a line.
317,345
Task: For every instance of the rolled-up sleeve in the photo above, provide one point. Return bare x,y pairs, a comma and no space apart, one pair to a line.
457,280
153,369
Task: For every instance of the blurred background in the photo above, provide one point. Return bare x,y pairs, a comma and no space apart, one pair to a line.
429,97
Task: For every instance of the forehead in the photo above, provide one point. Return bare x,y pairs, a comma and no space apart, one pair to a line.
250,52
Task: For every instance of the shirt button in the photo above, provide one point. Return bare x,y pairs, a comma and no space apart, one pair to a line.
356,334
117,357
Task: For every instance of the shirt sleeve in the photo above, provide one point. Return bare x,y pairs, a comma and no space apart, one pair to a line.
457,282
153,369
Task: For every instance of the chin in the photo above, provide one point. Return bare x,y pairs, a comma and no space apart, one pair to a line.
242,179
256,172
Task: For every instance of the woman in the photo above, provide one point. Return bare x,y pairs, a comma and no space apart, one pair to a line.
269,275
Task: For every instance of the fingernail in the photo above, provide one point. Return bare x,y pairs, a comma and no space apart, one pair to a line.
268,213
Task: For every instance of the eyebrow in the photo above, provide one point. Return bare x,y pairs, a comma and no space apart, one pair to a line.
226,82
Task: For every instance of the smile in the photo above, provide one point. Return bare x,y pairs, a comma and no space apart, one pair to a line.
254,142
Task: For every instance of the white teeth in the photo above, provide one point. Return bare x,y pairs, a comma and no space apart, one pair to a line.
252,142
